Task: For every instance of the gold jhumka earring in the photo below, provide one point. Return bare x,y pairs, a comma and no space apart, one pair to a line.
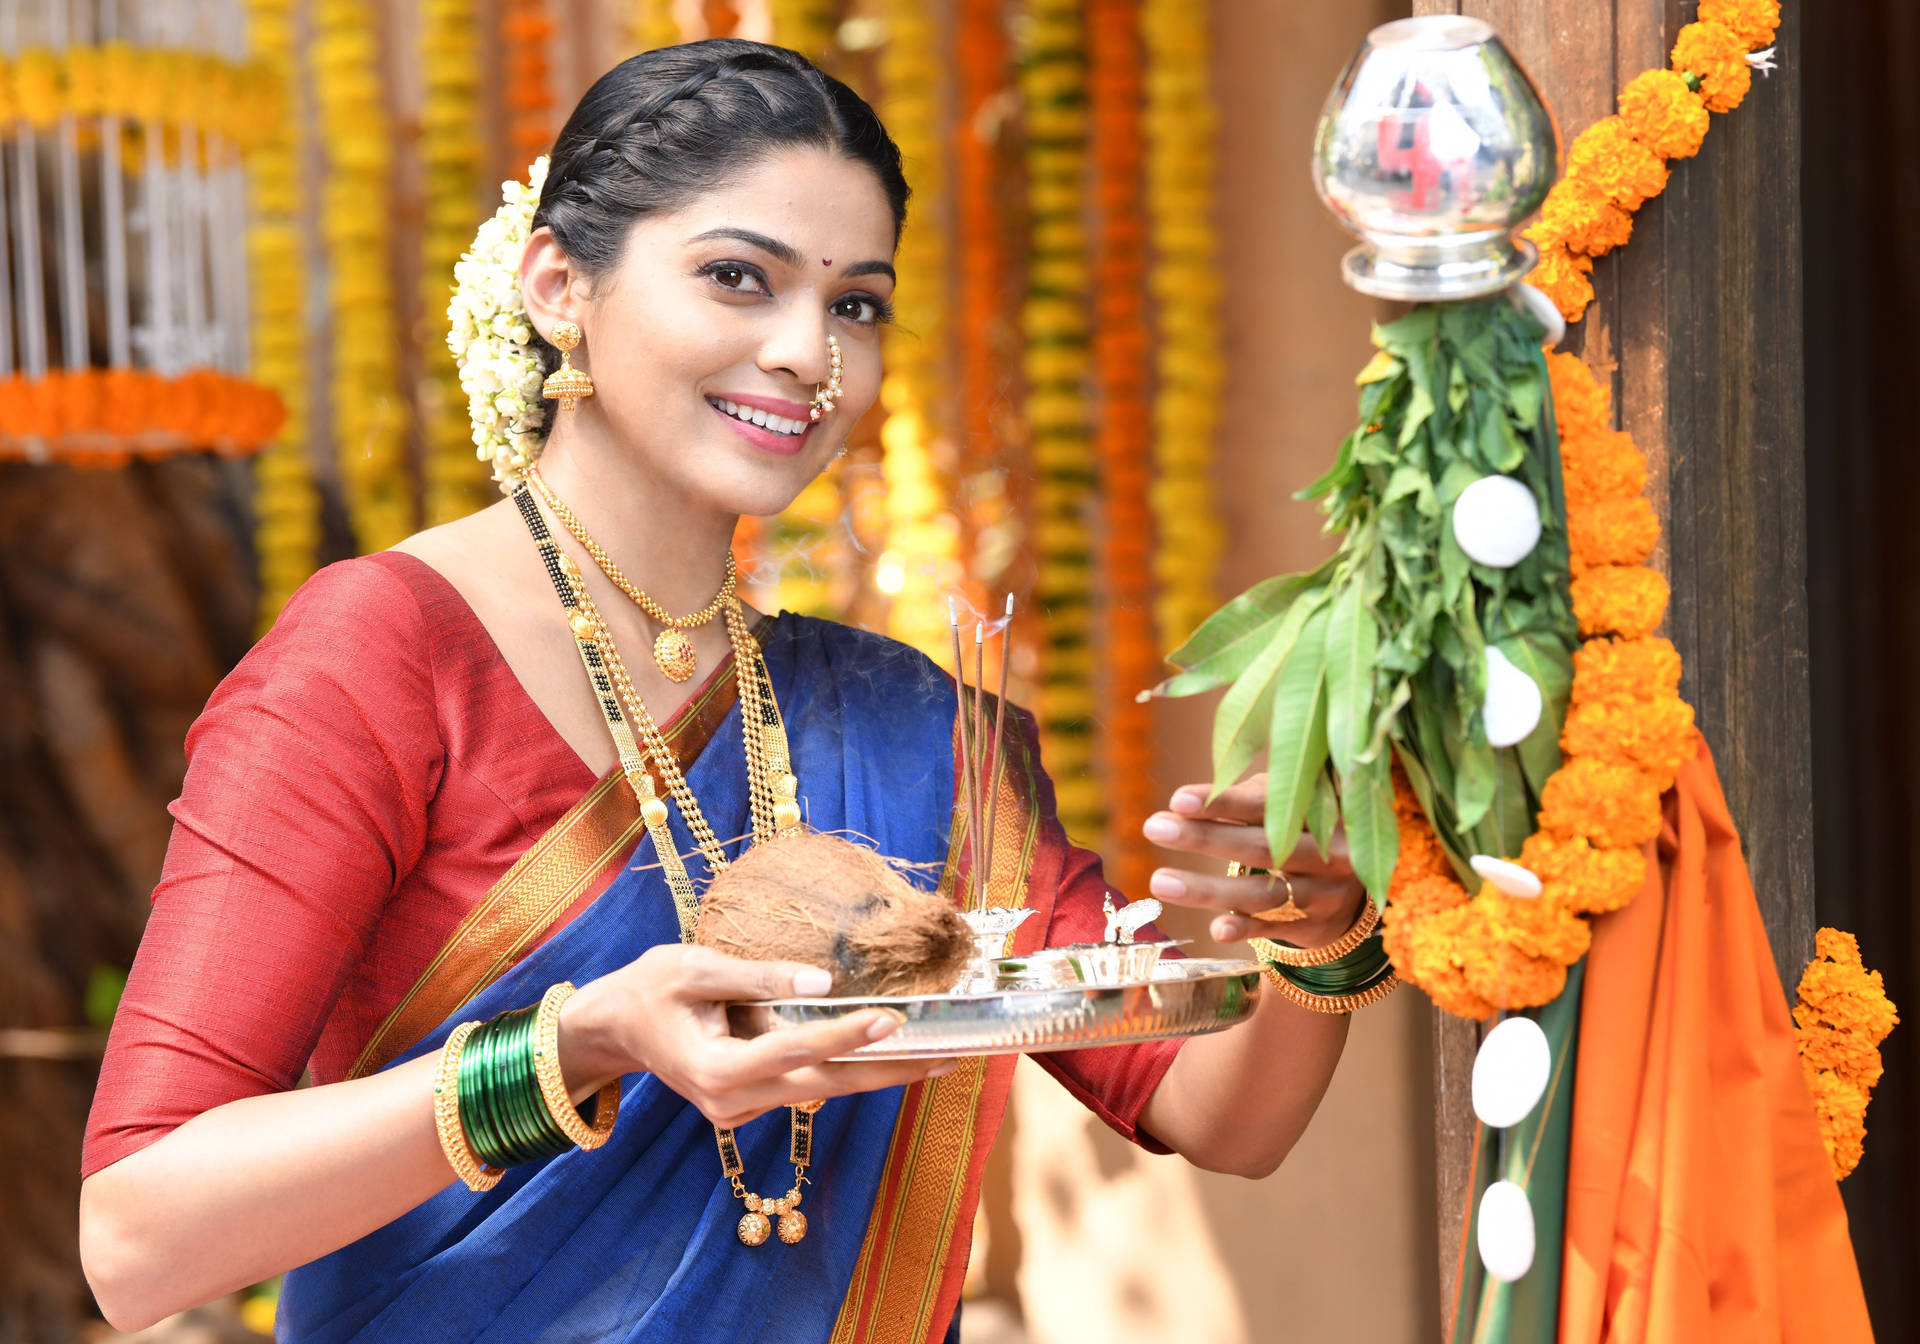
823,397
566,384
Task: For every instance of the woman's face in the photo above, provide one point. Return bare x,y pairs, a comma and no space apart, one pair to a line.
731,300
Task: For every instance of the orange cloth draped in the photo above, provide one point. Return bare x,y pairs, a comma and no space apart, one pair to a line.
1700,1206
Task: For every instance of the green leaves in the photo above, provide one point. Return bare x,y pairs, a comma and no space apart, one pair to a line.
1240,726
1297,740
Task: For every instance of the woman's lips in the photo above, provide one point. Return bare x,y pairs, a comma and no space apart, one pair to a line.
781,445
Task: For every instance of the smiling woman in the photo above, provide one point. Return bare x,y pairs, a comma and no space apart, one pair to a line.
435,798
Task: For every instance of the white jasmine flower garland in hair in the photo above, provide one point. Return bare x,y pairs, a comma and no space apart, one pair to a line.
492,338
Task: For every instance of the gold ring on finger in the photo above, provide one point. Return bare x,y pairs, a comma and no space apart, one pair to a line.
1286,913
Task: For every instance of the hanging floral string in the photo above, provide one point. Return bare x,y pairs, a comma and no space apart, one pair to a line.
1841,1017
1627,731
526,31
919,563
1620,162
1055,321
453,152
653,25
805,26
369,416
1122,441
168,87
1180,131
720,17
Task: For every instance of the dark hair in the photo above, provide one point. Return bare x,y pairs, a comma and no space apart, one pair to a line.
662,127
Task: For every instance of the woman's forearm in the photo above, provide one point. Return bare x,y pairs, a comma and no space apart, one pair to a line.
1238,1101
255,1187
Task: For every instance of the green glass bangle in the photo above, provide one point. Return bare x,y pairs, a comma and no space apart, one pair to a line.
1359,970
501,1106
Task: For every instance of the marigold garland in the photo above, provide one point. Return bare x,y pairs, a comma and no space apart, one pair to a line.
1186,288
1055,322
526,30
1121,357
156,86
453,151
286,506
1619,163
113,415
1842,1016
654,25
369,415
921,553
805,26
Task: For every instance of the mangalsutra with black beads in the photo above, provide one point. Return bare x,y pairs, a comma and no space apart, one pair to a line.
773,791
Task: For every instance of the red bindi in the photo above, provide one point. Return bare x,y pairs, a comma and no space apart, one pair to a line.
826,261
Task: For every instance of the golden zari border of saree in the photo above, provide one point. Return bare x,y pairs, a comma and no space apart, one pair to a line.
909,1263
544,885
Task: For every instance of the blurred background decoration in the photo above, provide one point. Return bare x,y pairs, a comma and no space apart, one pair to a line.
229,228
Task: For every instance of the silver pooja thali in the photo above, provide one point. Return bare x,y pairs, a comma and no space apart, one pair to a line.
1113,992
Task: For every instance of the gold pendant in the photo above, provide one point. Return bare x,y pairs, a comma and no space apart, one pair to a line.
673,651
793,1226
754,1228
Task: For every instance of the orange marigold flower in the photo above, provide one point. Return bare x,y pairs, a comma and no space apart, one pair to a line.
1664,114
1434,963
1611,532
1625,600
1714,54
1583,879
1539,928
1608,802
1580,401
1409,903
1601,465
1752,21
1848,997
1847,1053
1625,171
1580,215
1561,275
1625,669
1841,1107
1506,977
1656,734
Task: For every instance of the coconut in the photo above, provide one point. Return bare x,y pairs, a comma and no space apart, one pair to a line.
830,903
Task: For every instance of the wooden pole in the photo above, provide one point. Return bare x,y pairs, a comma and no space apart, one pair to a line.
1697,322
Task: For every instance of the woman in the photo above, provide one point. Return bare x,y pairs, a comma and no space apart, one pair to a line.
405,811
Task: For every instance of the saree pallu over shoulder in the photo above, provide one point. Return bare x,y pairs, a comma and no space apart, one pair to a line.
636,1241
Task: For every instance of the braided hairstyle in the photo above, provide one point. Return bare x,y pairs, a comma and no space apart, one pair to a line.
662,127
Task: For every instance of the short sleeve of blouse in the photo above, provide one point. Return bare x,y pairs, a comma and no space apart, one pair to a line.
304,804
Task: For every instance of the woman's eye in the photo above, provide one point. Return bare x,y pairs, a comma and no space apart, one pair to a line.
862,309
740,278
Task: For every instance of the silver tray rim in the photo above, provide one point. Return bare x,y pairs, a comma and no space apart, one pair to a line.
1006,1008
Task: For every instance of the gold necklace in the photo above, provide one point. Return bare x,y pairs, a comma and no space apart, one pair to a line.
772,792
672,649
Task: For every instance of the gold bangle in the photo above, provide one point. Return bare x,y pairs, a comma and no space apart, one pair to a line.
1330,1003
1288,955
553,1086
446,1115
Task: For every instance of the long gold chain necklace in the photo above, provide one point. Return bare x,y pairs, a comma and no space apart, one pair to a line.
773,791
672,649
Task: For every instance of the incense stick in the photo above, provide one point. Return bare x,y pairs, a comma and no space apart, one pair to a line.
983,858
997,759
966,745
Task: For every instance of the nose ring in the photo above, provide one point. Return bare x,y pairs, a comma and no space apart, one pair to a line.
823,398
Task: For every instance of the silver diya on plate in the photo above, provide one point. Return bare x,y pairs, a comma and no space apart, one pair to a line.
1112,992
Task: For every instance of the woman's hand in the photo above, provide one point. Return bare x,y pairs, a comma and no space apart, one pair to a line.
665,1013
1230,828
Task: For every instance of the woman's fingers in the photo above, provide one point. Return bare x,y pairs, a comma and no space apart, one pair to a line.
1222,840
707,974
785,1049
1209,891
1245,802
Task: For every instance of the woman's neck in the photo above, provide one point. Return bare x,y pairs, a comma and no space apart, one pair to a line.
671,548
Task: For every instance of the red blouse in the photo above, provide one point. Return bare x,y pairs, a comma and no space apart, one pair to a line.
353,788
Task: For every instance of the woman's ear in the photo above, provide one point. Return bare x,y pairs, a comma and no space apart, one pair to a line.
549,286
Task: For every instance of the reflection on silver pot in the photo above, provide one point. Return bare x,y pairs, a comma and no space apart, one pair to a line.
1433,147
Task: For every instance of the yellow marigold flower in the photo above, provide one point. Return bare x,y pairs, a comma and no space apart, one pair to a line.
1715,55
1538,928
1583,879
1561,275
1611,532
1656,735
1752,21
1611,803
1435,961
1847,1053
1625,600
1841,1108
1664,114
1846,997
1625,171
1507,977
1580,401
1410,904
1602,465
1579,213
1625,669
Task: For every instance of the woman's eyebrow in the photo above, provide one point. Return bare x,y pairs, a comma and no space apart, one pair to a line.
786,254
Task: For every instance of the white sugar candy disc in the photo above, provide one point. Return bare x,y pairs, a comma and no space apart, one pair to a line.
1506,1231
1513,702
1510,878
1510,1072
1496,520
